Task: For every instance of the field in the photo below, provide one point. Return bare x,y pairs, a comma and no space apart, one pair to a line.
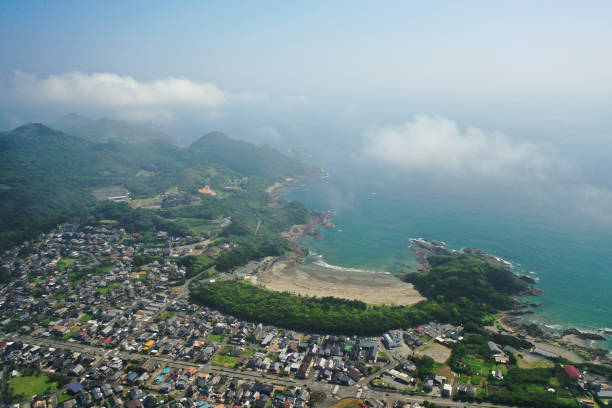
166,314
64,397
529,361
247,353
145,203
217,338
225,361
65,262
347,403
108,288
71,333
436,351
85,318
196,226
21,388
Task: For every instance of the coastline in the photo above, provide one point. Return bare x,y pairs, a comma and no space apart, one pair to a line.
286,274
509,321
289,273
573,344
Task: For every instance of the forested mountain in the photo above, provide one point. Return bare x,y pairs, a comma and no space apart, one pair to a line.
104,129
46,176
245,158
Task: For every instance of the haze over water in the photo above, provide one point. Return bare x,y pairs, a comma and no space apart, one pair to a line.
377,213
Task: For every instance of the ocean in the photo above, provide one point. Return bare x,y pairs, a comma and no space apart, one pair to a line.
376,212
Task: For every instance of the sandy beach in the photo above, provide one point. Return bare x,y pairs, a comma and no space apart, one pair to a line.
312,280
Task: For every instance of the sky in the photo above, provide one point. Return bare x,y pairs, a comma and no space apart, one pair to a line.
508,92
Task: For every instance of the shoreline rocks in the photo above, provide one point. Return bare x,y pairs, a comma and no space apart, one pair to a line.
583,335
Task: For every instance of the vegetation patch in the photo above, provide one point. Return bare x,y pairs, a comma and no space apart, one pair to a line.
217,338
524,363
85,318
225,361
165,315
316,397
63,263
24,387
347,403
333,315
108,288
63,397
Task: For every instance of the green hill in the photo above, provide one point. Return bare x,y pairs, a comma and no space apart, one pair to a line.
245,158
47,176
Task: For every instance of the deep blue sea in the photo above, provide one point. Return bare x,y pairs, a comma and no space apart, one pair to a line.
376,212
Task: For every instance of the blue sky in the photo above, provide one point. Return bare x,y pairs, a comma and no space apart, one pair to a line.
346,47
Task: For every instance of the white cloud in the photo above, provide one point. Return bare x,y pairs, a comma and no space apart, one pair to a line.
112,90
436,144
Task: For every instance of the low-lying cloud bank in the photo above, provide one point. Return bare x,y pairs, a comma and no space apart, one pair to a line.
437,144
107,89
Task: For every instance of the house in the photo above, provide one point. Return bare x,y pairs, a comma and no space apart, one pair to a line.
605,394
497,374
75,387
134,404
465,389
545,353
494,348
115,402
399,376
571,371
447,390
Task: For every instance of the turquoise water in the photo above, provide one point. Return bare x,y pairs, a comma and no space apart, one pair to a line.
377,212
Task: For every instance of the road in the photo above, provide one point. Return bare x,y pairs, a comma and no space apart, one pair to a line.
388,366
343,392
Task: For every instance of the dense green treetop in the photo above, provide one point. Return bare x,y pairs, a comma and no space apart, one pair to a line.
457,276
479,292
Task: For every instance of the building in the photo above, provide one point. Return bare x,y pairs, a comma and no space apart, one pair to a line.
571,371
447,390
545,353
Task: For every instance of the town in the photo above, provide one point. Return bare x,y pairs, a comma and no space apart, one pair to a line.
99,317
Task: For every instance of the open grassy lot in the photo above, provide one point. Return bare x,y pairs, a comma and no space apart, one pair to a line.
217,338
166,314
21,388
64,397
108,288
225,361
529,361
436,351
196,226
347,403
71,333
65,262
85,318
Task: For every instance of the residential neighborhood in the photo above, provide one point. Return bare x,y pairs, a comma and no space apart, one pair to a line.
106,318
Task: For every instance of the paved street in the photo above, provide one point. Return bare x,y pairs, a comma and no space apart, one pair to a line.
343,392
